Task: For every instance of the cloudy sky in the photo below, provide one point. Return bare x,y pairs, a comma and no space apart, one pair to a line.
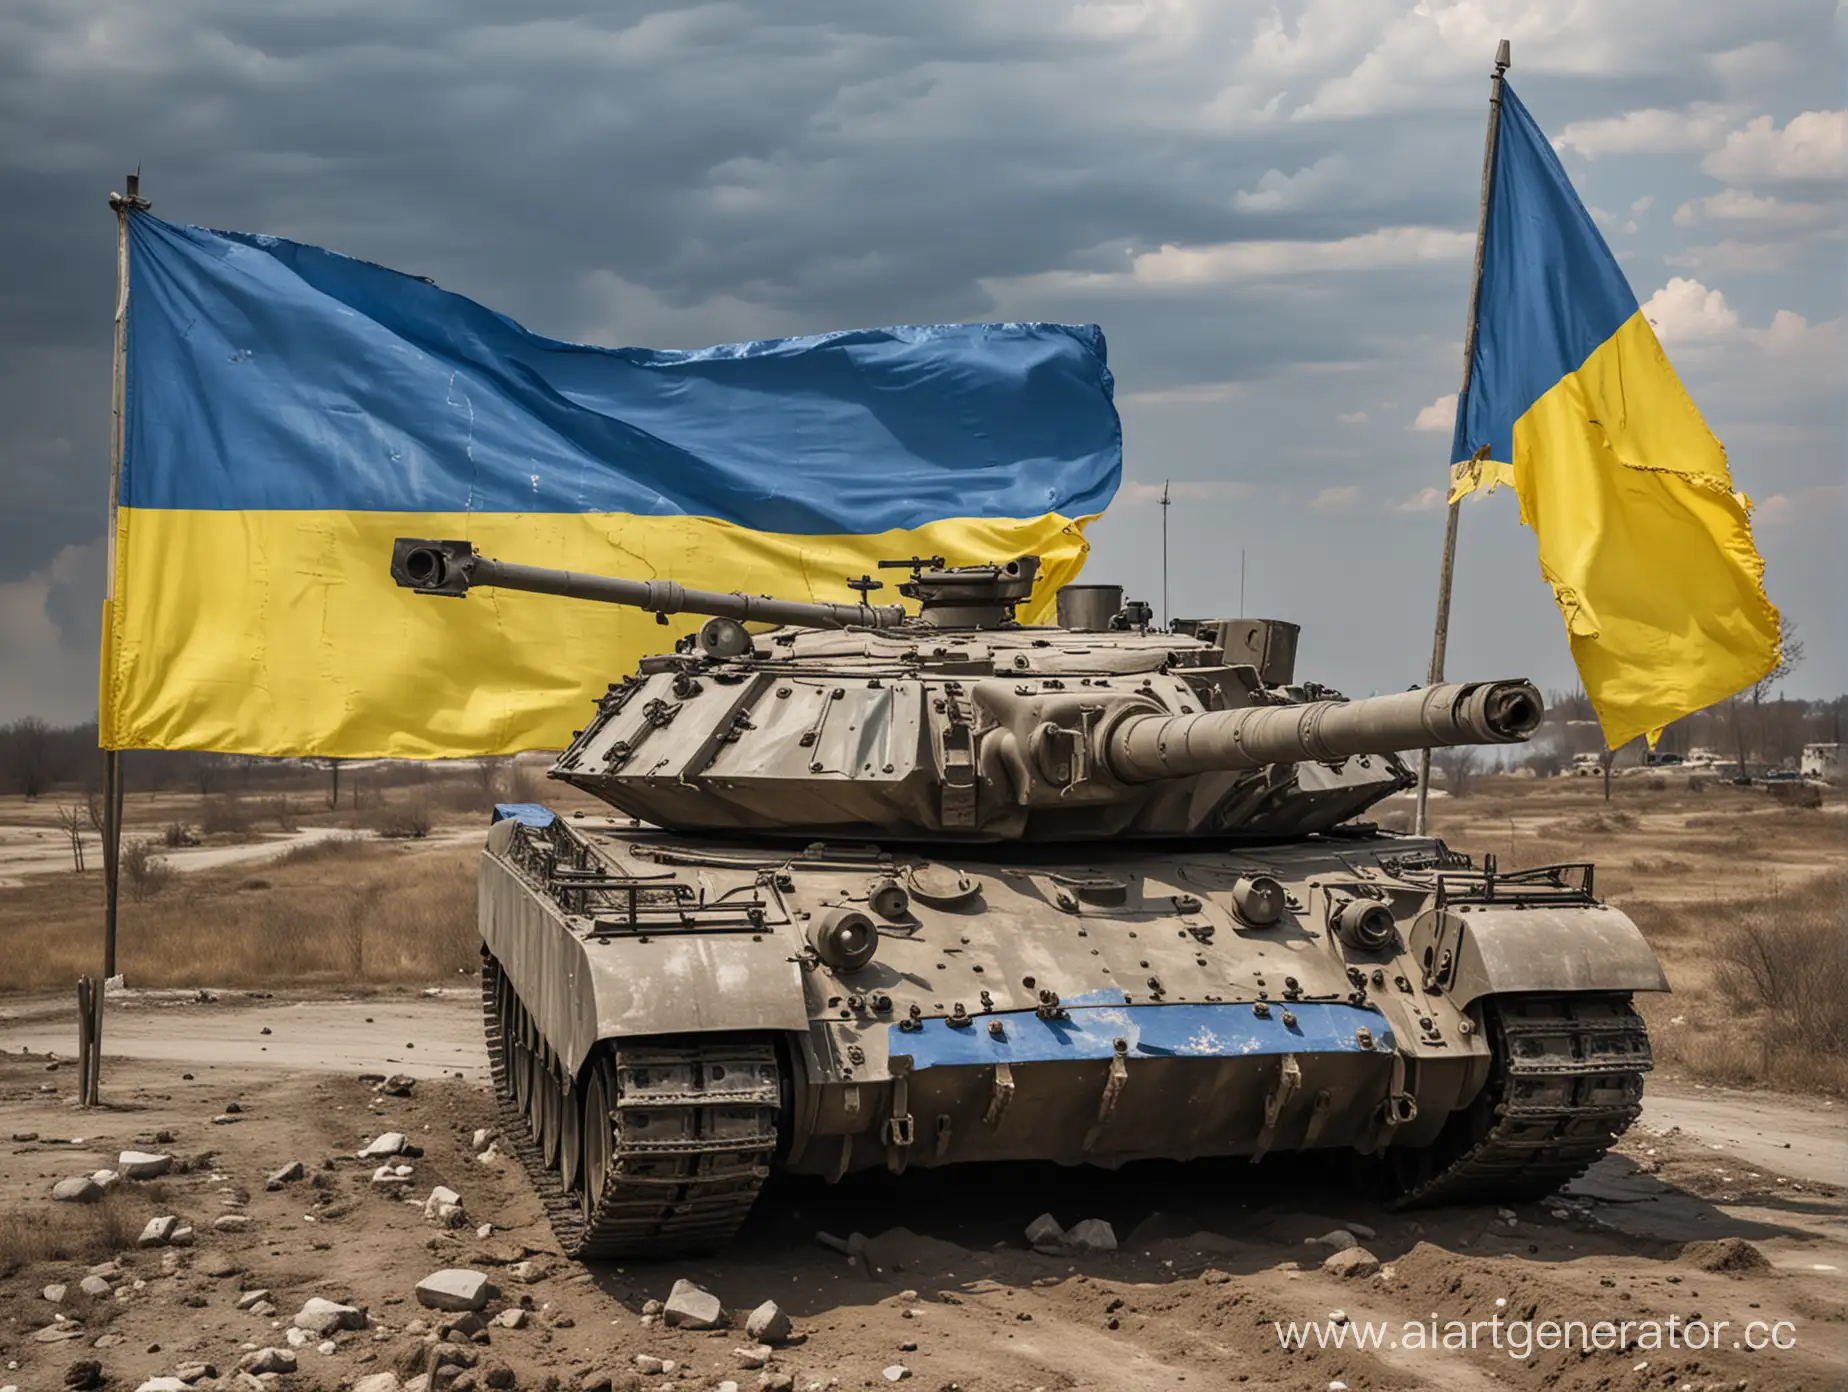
1269,208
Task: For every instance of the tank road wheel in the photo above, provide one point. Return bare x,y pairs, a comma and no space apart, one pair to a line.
570,1142
1565,1082
596,1133
548,1113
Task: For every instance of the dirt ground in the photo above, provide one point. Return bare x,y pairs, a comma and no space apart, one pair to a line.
1211,1256
1723,1204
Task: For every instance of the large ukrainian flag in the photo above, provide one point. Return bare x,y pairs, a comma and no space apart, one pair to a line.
1647,547
290,411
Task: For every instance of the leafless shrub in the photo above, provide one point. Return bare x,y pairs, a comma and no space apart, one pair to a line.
148,873
282,812
1459,765
1786,958
178,834
408,820
224,815
519,783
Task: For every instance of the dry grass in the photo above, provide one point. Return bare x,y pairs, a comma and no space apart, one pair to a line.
333,912
87,1233
1741,896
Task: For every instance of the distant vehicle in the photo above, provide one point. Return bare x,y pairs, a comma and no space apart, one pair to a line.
1821,761
1586,766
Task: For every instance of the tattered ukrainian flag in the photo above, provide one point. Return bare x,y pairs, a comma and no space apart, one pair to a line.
290,411
1647,547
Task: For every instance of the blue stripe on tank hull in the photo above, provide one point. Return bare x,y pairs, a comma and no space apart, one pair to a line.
1149,1031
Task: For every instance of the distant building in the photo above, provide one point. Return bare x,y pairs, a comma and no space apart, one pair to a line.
1821,761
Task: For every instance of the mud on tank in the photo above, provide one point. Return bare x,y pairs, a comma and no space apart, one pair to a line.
893,888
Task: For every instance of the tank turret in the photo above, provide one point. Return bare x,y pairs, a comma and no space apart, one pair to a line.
957,722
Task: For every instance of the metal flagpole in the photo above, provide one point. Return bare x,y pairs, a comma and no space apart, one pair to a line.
1441,636
123,204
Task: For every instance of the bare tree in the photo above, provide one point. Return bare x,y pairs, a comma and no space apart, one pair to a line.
71,818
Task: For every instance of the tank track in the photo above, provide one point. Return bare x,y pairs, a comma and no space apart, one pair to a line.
1567,1082
691,1130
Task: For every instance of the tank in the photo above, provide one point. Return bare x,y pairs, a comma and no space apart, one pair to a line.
888,886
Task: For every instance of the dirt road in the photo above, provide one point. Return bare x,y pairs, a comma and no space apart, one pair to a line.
1212,1258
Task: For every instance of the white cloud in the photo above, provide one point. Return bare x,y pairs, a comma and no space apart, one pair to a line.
1790,333
1228,263
1440,415
1821,503
1686,312
1734,255
1344,497
1736,205
1652,131
1811,146
1424,500
1352,417
1609,223
1278,192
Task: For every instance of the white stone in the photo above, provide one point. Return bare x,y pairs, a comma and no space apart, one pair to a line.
163,1384
182,1236
232,1222
250,1298
377,1382
753,1357
1351,1262
692,1307
453,1289
54,1293
327,1348
648,1363
83,1189
158,1232
1339,1239
898,1372
96,1287
440,1198
768,1324
107,1178
1361,1230
143,1164
1044,1231
482,1137
387,1177
388,1144
320,1316
298,1338
1092,1235
268,1360
514,1318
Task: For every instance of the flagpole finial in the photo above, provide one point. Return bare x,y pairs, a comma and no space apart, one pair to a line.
1503,57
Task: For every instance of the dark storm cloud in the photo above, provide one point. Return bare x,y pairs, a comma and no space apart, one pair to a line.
728,170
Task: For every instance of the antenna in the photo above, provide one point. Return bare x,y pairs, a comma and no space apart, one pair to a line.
1164,553
1241,582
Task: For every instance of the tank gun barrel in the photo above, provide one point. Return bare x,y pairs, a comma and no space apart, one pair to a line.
1143,748
453,568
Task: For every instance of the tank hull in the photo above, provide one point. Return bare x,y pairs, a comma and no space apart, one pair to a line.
1093,1007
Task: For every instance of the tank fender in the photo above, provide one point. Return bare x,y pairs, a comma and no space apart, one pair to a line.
1497,950
581,990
